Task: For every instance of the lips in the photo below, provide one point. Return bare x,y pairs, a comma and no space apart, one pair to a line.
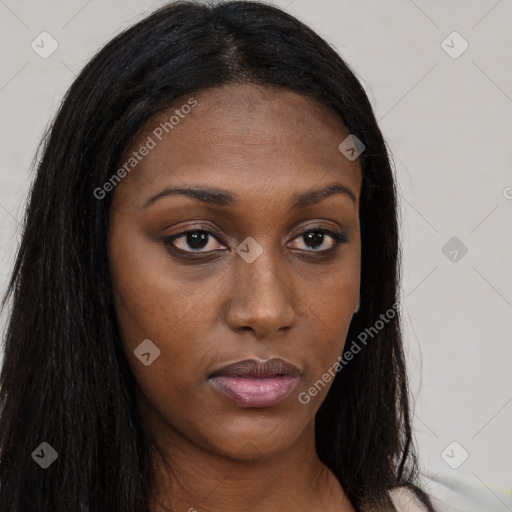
255,384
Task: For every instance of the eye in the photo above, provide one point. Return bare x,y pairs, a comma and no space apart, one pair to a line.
193,241
316,238
203,241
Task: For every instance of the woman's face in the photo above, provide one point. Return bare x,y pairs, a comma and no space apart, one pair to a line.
254,279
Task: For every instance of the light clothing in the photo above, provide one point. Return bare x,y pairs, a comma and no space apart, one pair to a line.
451,493
405,500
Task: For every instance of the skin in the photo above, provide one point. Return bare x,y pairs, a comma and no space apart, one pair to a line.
293,301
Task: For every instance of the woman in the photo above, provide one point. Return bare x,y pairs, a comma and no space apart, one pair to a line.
205,312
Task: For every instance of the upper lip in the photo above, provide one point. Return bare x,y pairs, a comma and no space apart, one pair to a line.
256,368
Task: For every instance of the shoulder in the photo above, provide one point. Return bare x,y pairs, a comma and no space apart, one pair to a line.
452,494
455,493
405,500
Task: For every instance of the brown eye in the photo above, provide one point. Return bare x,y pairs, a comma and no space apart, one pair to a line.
316,238
194,241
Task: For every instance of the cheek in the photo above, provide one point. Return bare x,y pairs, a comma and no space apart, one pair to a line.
330,299
150,299
152,303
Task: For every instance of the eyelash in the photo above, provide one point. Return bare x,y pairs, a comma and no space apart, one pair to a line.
338,239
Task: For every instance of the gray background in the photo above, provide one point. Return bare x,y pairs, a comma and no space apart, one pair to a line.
448,123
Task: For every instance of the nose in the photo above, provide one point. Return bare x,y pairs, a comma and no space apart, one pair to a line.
263,296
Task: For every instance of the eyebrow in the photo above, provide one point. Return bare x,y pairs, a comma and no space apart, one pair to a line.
219,197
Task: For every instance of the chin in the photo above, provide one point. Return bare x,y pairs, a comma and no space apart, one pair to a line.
255,444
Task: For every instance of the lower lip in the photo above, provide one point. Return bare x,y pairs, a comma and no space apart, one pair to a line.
256,392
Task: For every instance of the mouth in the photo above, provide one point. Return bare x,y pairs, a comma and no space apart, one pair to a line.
256,384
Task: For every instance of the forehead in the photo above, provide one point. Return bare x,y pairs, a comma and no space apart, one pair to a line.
239,136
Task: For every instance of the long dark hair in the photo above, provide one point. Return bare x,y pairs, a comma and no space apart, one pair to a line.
65,380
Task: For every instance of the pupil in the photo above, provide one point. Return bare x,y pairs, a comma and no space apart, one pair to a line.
314,237
196,239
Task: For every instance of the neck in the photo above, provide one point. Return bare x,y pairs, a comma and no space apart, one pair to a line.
198,479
